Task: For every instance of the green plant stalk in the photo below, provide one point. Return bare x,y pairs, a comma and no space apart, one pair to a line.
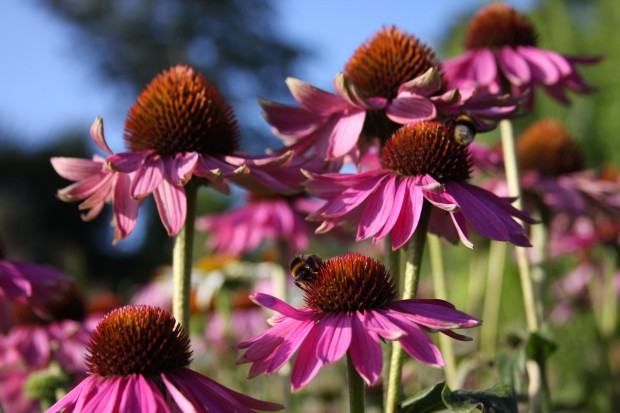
439,285
492,298
182,260
356,387
413,252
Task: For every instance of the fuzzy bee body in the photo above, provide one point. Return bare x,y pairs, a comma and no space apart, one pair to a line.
464,130
304,268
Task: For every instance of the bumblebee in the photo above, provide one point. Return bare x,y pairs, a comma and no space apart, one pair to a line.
464,130
304,268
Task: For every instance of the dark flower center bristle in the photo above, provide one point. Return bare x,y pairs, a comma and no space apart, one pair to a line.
68,305
178,112
547,147
386,61
137,339
499,25
427,148
349,283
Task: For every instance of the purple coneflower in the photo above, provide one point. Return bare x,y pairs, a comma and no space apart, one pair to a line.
350,307
421,163
390,80
502,54
138,358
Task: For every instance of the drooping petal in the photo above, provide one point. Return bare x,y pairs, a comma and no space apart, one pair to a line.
409,217
125,207
352,197
515,67
96,133
148,177
314,99
345,133
434,314
334,337
171,206
412,108
76,169
424,85
543,69
290,121
377,210
380,324
308,363
483,67
365,351
417,344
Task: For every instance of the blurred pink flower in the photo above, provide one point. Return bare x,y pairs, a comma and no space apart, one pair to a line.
262,218
12,395
350,308
28,283
138,362
374,96
421,163
501,50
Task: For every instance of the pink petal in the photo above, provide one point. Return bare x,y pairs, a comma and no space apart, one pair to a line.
483,67
314,99
460,225
334,337
365,351
179,169
409,216
433,315
377,210
411,108
424,85
417,344
171,206
125,207
345,133
543,69
398,202
279,306
127,161
290,121
148,177
76,169
354,196
308,363
380,324
515,68
96,133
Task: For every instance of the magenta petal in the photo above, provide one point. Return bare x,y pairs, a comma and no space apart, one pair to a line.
96,133
483,66
148,177
314,99
275,304
142,395
543,69
377,210
80,392
76,169
424,85
345,133
308,363
377,322
398,202
514,66
460,225
365,351
127,161
291,121
179,169
125,207
417,344
353,196
171,206
334,337
407,109
409,216
432,315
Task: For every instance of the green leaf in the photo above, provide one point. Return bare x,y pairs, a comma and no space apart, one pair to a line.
539,348
497,399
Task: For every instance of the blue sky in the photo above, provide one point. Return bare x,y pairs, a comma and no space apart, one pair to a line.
47,86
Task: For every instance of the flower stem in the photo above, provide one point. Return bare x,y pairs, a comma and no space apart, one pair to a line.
356,388
439,285
492,298
413,252
182,260
514,190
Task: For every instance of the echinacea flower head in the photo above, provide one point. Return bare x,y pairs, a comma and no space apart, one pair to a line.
421,163
350,307
392,79
138,358
502,54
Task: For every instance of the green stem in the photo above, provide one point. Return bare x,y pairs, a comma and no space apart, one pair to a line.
356,388
439,284
413,259
514,190
492,298
182,260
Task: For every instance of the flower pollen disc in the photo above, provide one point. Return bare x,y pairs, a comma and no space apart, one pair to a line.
427,148
350,283
137,339
499,25
179,112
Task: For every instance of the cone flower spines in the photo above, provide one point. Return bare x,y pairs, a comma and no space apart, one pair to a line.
548,148
178,112
386,61
427,148
137,339
499,25
349,283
